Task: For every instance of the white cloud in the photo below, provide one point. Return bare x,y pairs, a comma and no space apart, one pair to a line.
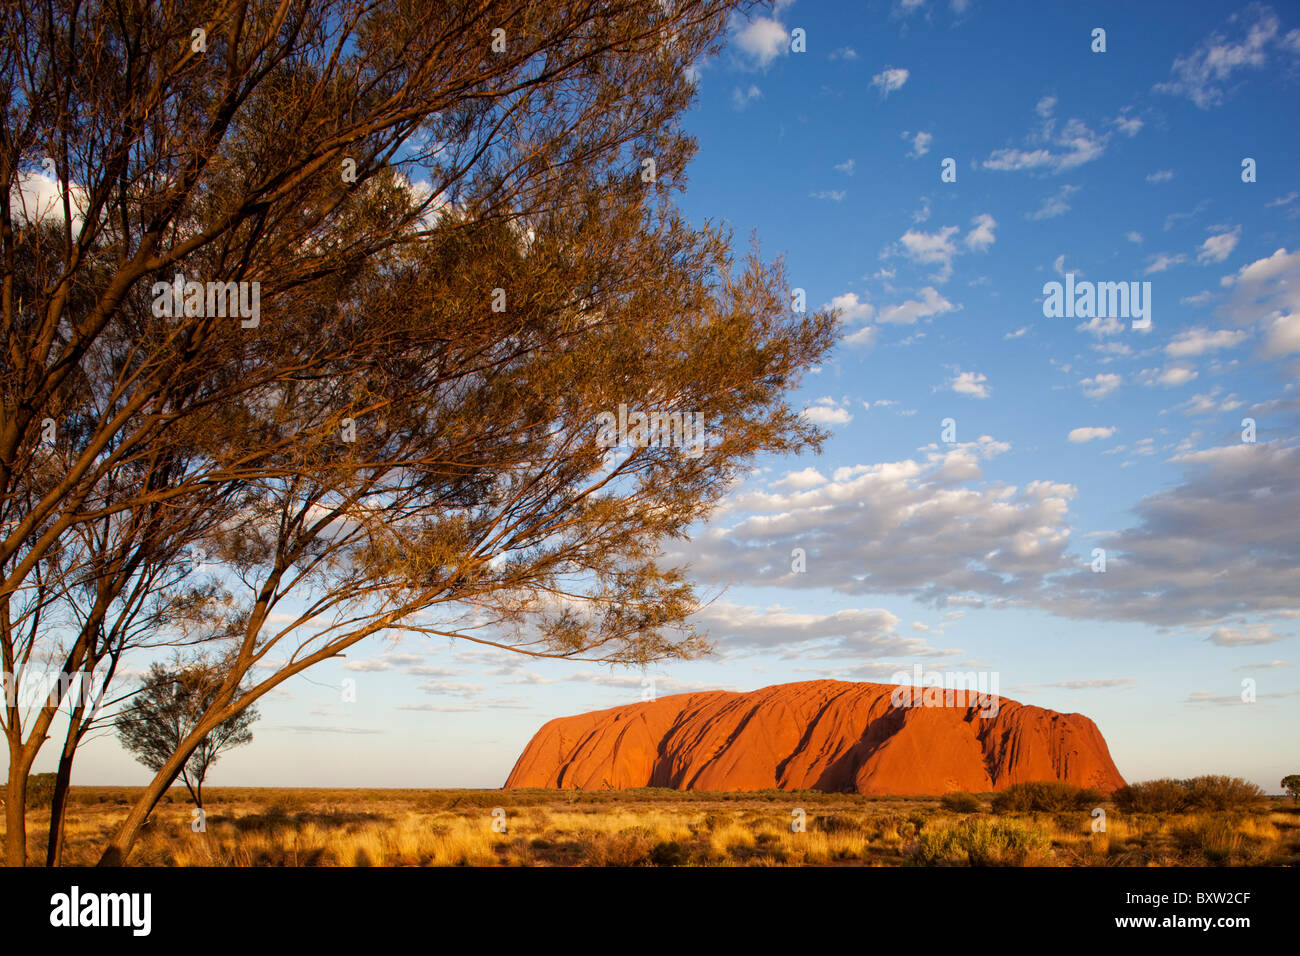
828,411
845,167
1199,341
800,480
1176,375
1099,386
1160,176
1267,292
889,80
1217,248
38,198
453,688
742,98
846,636
834,195
851,308
1211,402
1163,261
1203,75
762,39
1055,205
865,336
1283,336
1226,538
1074,145
932,248
920,143
1128,125
907,527
981,236
1244,636
1133,236
970,383
907,313
1045,106
1090,433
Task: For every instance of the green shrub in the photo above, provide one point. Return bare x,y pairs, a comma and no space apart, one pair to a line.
1046,795
958,802
983,841
1210,792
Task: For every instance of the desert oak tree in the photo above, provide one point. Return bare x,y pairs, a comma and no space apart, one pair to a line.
456,230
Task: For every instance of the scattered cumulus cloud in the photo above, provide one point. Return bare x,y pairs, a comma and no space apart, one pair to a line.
972,384
889,80
1056,204
740,98
1252,41
1218,247
920,143
1090,433
1197,341
1099,386
762,40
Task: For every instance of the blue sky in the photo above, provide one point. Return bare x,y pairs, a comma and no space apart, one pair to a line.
1070,435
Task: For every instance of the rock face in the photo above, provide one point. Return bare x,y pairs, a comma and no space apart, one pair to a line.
822,735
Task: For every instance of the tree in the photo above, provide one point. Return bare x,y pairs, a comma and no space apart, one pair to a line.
164,712
1291,784
264,143
412,423
165,599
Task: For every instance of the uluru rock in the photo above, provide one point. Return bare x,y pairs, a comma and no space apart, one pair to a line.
821,735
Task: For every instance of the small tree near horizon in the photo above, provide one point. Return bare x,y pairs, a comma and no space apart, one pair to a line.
168,706
1291,784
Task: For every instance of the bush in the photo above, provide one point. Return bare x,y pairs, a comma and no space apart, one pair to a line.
983,842
835,823
1216,792
1047,795
40,789
669,853
958,802
1210,792
1152,796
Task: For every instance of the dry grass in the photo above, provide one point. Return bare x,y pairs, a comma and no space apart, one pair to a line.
266,827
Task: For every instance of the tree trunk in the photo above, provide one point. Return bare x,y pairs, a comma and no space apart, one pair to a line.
16,811
119,846
59,804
